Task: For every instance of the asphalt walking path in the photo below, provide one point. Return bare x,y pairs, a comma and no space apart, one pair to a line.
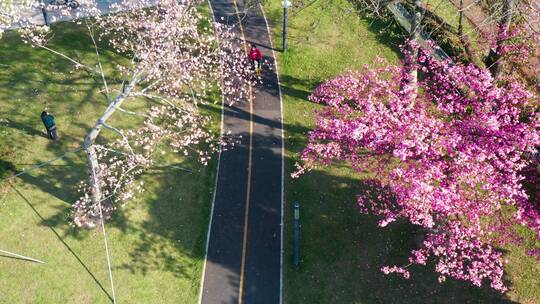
243,263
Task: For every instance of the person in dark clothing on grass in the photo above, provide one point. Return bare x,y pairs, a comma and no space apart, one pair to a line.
50,125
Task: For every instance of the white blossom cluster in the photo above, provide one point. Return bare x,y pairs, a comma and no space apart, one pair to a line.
121,163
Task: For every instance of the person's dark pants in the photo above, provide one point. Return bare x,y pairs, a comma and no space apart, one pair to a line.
51,133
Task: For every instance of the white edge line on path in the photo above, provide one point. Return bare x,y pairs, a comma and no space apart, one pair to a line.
215,186
282,156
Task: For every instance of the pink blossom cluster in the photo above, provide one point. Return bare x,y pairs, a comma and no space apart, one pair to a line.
461,254
450,152
529,210
395,269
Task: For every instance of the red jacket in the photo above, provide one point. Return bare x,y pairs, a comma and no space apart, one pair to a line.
255,54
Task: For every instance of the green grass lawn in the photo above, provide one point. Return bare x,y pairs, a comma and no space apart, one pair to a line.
157,241
342,250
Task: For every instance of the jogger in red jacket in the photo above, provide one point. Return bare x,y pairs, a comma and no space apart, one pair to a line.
255,56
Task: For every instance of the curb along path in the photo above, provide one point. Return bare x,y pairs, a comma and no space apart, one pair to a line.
243,262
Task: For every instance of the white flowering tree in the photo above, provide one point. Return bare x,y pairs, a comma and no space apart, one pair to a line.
176,58
11,12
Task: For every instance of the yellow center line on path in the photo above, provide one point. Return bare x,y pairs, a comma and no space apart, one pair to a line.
248,192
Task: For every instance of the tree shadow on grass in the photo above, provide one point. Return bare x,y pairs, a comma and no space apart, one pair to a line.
289,86
29,130
47,223
387,32
342,251
7,169
59,180
172,238
160,241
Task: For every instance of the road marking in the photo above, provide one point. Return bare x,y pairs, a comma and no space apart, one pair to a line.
248,192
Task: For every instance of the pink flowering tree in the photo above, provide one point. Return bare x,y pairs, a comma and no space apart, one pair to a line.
450,154
175,59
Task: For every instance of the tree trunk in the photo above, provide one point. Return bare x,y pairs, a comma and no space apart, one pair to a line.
93,171
464,39
411,66
88,145
460,20
415,33
504,26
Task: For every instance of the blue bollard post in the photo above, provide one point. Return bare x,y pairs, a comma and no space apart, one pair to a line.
296,256
286,5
